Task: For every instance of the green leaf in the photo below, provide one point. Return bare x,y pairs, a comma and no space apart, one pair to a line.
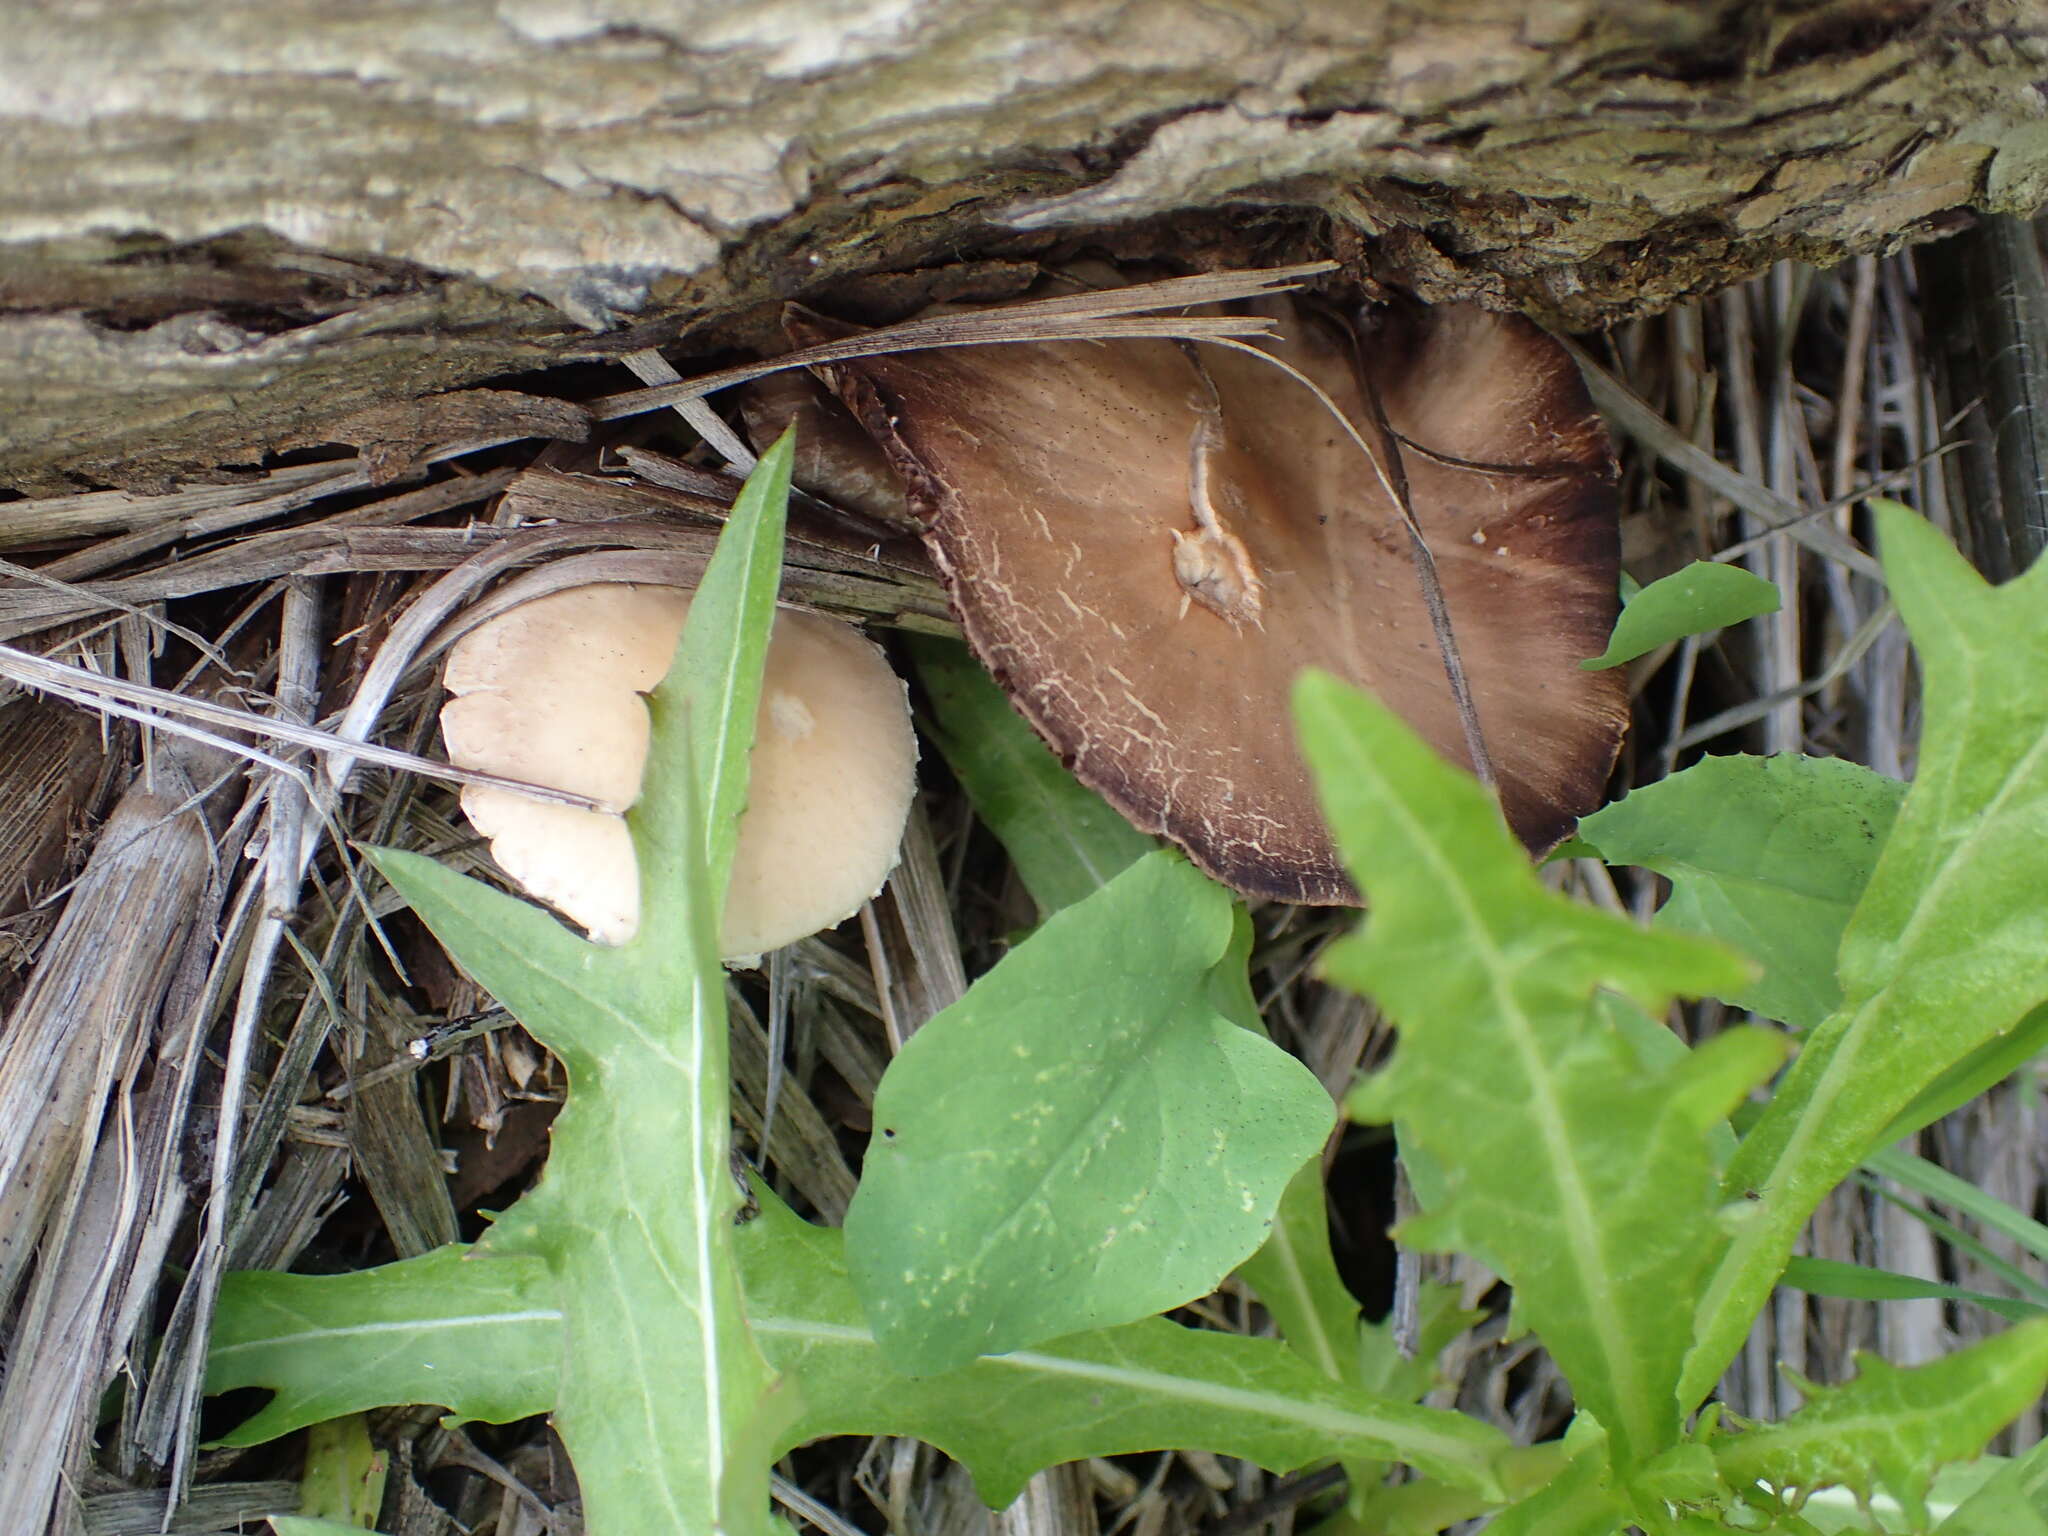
1577,1171
1767,854
1081,1140
343,1480
663,1394
1961,1195
1295,1275
475,1335
1067,843
1979,1071
1148,1385
707,704
1580,1500
1440,1317
1894,1427
2012,1502
300,1525
1064,838
1704,596
1947,951
1834,1277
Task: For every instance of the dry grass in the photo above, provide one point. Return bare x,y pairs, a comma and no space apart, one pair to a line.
209,1059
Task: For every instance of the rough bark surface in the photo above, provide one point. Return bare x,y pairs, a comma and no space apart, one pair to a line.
224,223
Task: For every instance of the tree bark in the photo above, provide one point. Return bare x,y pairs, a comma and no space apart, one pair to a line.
227,224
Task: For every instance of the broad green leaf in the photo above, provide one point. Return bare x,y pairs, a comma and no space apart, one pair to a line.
1581,1174
344,1475
1702,597
2013,1501
1067,843
300,1525
663,1393
1947,951
1893,1427
1063,837
413,1331
1081,1140
1834,1277
1767,854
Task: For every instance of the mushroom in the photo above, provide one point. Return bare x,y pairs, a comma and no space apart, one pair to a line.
550,692
1146,545
835,459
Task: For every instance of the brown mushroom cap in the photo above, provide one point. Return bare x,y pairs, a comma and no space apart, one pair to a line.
1057,482
551,692
834,459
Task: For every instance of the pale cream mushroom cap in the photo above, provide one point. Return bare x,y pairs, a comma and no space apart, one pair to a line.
551,692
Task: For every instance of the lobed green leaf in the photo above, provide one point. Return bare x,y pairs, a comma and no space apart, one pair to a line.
1893,1426
1558,1155
479,1336
662,1396
1948,950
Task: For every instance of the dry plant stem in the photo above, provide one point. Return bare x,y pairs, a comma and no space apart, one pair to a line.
1093,316
912,943
57,518
215,1507
778,1042
1837,507
1846,595
100,1209
822,1515
163,708
1634,418
257,557
1849,393
1739,715
290,836
36,578
802,1145
157,521
650,367
316,1015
